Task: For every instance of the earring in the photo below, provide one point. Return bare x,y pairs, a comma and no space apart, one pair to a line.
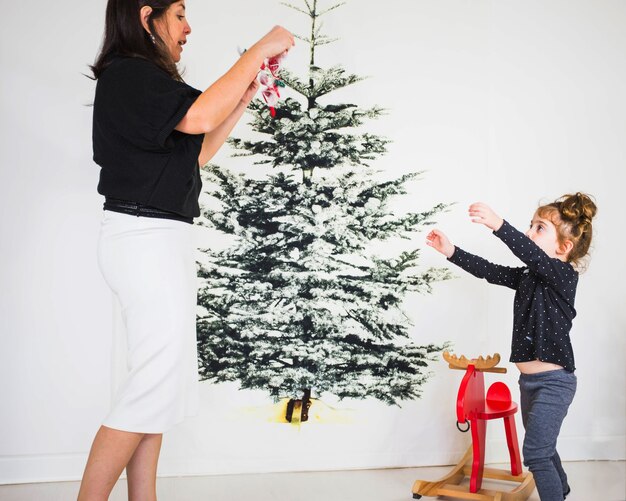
152,38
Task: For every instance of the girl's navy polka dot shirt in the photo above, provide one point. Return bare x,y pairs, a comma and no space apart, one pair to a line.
543,307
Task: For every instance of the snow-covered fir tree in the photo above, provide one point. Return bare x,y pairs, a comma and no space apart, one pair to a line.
299,305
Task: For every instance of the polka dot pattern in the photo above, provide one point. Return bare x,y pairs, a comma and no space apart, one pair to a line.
543,308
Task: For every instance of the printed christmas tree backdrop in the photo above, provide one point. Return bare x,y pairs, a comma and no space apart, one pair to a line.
300,305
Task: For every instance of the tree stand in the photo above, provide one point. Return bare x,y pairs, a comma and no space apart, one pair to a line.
474,409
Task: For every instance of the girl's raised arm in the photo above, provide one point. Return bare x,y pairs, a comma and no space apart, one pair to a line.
553,270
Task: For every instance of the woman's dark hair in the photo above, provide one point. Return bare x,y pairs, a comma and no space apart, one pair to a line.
124,35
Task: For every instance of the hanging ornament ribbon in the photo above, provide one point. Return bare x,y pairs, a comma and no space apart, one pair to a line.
270,81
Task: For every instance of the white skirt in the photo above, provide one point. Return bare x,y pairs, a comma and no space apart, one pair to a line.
149,264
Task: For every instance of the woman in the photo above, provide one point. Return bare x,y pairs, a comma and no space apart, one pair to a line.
151,131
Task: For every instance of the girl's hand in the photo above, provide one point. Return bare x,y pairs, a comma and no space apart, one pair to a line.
438,241
483,214
276,42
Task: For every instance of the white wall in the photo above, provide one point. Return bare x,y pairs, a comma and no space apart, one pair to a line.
513,103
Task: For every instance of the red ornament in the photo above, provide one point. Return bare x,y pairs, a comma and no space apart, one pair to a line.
270,82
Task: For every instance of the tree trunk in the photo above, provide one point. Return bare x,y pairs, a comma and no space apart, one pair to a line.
298,409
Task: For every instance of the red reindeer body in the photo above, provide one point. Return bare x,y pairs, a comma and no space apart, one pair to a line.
472,406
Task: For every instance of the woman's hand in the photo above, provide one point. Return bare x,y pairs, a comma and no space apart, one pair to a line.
276,42
216,104
250,92
438,241
483,214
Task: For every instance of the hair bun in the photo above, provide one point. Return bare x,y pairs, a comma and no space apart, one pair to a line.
578,207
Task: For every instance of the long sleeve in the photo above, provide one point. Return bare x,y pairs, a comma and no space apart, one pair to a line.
543,307
554,271
481,268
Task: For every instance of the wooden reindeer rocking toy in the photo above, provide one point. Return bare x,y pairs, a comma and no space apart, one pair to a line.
474,409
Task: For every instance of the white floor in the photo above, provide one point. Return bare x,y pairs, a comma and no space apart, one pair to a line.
590,481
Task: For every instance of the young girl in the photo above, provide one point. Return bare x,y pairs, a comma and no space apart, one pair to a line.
557,240
151,131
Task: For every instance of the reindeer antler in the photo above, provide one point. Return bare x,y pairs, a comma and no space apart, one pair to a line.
481,364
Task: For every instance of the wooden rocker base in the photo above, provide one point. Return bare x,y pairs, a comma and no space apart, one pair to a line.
450,484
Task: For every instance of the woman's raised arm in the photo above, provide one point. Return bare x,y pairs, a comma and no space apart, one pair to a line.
217,103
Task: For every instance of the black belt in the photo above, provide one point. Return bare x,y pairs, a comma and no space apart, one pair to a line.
137,209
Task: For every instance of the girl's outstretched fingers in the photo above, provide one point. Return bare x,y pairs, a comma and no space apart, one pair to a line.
438,241
481,213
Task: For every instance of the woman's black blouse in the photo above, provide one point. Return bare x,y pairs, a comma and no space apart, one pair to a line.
142,158
543,308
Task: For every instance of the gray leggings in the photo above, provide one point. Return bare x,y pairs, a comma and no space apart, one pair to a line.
545,398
